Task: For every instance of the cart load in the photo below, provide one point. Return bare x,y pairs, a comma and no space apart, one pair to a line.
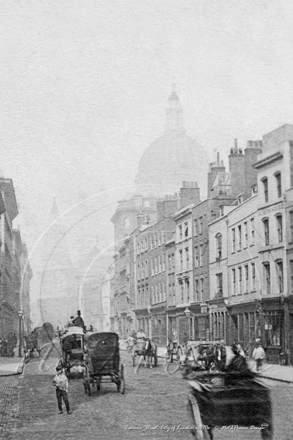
102,361
72,346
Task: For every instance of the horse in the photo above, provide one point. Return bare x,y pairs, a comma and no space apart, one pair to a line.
151,353
208,356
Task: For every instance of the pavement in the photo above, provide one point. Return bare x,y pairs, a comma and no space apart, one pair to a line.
11,366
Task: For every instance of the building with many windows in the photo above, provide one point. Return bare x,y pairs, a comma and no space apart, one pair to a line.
275,173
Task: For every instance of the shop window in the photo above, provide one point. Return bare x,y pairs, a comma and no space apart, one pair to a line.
273,323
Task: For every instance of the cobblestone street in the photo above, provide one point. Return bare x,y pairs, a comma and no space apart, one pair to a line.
153,407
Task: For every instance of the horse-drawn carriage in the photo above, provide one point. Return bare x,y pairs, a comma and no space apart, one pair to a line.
196,355
102,362
229,400
31,344
146,349
72,346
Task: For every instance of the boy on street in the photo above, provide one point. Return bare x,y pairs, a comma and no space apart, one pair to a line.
258,355
60,381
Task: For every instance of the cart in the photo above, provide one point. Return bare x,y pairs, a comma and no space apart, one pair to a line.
31,345
229,401
72,346
102,362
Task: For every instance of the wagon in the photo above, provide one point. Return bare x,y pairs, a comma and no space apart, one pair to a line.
32,344
72,346
229,401
102,362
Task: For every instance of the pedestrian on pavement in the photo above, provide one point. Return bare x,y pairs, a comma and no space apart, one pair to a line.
60,381
258,355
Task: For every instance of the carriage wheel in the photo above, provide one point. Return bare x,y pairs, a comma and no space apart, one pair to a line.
87,381
172,367
197,432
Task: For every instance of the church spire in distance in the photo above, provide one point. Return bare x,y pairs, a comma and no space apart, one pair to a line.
174,112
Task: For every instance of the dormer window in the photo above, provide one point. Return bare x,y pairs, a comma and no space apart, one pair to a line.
240,200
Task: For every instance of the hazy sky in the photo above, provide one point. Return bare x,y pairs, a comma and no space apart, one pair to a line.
84,87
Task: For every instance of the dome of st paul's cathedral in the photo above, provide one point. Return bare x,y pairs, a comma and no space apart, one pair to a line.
172,158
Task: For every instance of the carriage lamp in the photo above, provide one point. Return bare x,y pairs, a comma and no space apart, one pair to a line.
187,312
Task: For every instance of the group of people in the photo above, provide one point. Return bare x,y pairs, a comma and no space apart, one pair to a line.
8,344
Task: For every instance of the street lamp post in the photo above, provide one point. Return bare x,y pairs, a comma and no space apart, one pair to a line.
20,315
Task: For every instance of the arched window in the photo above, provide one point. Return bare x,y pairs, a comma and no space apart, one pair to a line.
265,189
218,246
279,183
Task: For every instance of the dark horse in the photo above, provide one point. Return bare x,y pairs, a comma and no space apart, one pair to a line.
150,353
213,357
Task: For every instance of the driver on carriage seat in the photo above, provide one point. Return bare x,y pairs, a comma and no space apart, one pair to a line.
140,334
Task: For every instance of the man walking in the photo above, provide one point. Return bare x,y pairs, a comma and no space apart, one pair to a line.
60,381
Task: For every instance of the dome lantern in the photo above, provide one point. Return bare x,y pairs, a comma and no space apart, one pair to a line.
174,112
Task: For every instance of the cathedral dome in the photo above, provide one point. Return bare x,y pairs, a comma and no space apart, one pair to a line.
172,158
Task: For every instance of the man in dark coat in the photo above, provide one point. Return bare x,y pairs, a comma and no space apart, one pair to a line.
78,321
